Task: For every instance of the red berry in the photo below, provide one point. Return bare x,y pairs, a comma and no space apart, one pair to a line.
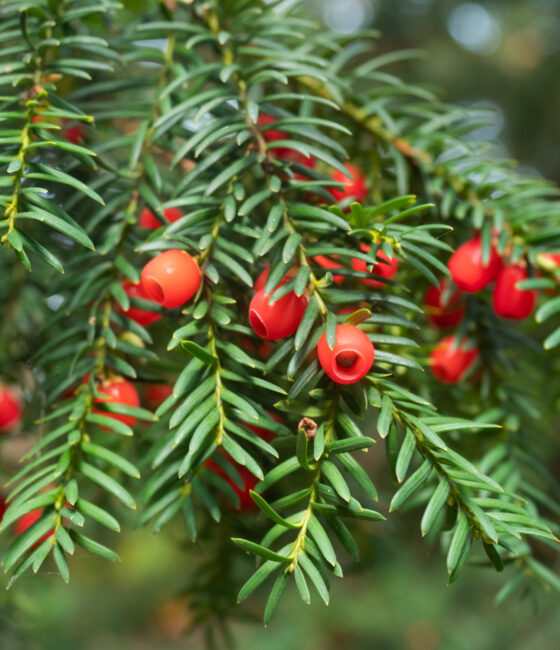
172,214
350,359
277,320
386,267
156,394
27,520
141,316
467,269
171,278
444,309
326,263
249,481
509,301
120,391
10,409
260,282
285,153
355,182
149,220
74,134
270,135
451,359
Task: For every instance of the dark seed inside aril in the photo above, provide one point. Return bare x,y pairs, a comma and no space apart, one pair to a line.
346,359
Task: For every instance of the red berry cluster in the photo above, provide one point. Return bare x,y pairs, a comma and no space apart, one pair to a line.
171,279
472,274
346,363
273,318
452,359
355,186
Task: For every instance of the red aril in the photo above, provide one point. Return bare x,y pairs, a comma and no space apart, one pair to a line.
355,186
467,268
508,300
141,316
120,391
386,267
450,359
156,394
149,220
351,358
444,307
10,409
171,278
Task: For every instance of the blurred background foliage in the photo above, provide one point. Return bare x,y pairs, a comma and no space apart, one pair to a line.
501,54
399,602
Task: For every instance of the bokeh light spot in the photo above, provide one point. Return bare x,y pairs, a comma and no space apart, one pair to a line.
474,28
347,16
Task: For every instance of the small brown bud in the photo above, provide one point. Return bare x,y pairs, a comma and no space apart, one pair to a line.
309,426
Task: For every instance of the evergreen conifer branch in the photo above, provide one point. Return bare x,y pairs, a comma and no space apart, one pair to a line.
185,122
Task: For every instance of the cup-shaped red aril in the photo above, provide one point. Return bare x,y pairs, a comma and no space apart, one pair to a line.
279,319
468,270
171,278
156,394
260,282
386,267
270,135
10,409
444,307
451,359
508,300
141,316
355,186
119,391
351,358
327,263
148,219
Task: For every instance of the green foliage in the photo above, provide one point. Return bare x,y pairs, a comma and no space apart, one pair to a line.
173,97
